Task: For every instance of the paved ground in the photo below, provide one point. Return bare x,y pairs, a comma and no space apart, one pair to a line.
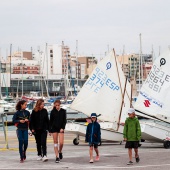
112,156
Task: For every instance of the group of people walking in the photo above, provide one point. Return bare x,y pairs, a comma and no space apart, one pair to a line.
40,125
131,134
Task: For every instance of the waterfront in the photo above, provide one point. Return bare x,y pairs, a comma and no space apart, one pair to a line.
112,155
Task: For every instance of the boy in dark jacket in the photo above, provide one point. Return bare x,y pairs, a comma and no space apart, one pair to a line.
132,135
93,136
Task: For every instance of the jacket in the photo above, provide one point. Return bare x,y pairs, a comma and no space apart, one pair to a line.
132,130
58,119
21,115
93,134
39,120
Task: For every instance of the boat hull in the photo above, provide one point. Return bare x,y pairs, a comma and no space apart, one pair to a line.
80,129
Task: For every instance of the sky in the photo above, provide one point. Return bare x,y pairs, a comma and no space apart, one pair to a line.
97,25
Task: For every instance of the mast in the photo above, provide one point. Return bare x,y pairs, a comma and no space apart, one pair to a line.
10,64
47,70
22,70
159,50
0,76
123,57
77,62
64,67
141,57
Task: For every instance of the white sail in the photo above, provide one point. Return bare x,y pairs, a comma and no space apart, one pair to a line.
102,92
154,96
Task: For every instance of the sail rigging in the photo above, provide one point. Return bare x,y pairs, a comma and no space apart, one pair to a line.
102,92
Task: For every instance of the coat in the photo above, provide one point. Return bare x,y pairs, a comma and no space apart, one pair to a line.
21,115
93,134
132,130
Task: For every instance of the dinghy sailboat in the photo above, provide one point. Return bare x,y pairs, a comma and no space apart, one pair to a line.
107,93
153,102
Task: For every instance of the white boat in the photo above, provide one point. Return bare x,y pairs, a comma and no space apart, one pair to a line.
107,93
8,107
153,102
79,129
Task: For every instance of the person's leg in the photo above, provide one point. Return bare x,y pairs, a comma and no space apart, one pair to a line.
25,133
61,143
130,154
55,140
136,152
44,142
97,152
20,140
38,142
91,153
136,155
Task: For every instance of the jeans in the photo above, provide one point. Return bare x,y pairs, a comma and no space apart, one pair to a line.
23,141
41,140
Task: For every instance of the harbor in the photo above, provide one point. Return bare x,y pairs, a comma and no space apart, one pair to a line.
112,155
94,75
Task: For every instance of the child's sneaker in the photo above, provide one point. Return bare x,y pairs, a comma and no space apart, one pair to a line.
91,161
57,160
130,163
97,158
39,158
137,159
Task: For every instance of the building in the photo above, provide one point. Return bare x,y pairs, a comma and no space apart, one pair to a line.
87,65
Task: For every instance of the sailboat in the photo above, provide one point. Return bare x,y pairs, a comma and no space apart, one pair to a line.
153,102
107,93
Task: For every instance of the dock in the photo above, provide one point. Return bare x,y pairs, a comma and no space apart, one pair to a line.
112,155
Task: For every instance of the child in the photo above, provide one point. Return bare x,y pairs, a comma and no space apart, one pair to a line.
132,135
21,120
93,136
57,125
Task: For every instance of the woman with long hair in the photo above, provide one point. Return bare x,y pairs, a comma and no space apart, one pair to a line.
39,125
57,126
21,121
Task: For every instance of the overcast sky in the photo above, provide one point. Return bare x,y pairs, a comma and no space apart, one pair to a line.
96,24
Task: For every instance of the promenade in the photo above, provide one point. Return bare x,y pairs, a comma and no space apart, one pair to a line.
112,156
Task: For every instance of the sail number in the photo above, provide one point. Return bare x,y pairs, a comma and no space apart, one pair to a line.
98,79
156,79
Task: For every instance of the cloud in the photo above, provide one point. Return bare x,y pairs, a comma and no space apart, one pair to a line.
95,23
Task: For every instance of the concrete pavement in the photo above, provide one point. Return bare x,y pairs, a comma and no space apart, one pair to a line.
112,156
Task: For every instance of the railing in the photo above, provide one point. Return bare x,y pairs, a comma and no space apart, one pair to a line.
3,123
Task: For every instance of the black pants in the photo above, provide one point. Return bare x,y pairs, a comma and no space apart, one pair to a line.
41,140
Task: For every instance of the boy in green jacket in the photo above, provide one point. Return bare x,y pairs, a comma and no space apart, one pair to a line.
132,135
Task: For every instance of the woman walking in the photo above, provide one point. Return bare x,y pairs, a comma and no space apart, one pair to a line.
21,121
57,126
39,127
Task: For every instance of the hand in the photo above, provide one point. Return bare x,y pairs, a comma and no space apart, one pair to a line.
22,121
49,134
33,130
125,139
26,120
61,130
